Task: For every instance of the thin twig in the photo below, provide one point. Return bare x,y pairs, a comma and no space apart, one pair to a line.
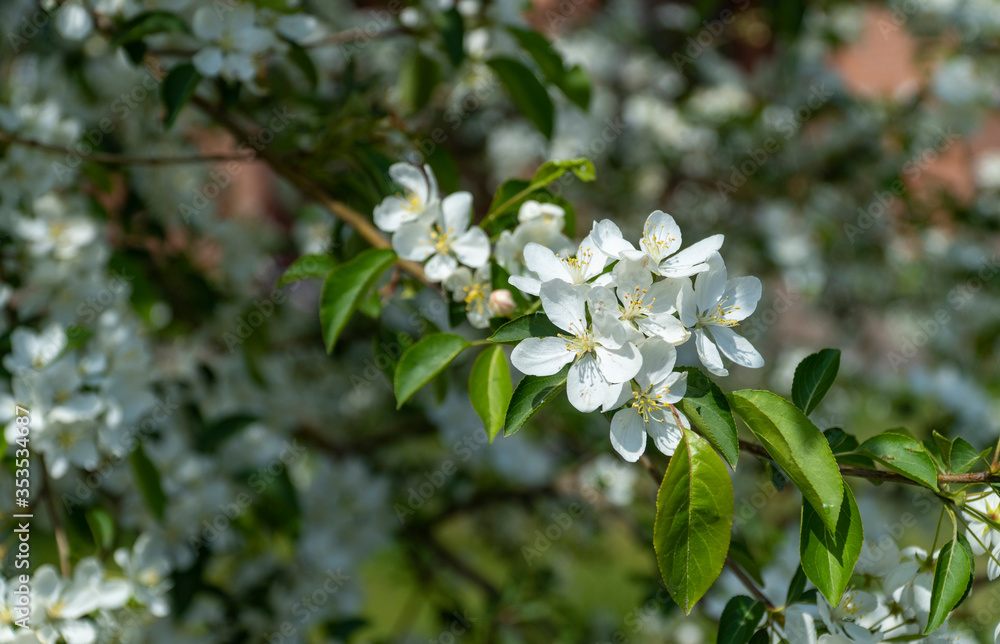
348,215
882,475
458,565
122,159
749,583
62,543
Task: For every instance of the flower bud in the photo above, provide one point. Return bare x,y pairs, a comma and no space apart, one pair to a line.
502,302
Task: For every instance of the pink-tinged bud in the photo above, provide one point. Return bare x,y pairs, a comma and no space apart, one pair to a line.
502,303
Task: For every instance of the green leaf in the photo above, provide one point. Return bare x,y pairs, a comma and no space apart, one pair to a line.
345,286
828,557
582,167
102,526
453,33
148,479
574,83
797,446
739,553
306,267
146,24
953,576
761,637
216,432
490,389
301,59
708,410
530,395
963,456
694,518
424,360
418,76
177,89
903,455
533,325
813,378
739,620
528,94
797,586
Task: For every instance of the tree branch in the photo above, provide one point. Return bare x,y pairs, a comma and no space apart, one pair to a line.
121,159
348,215
882,475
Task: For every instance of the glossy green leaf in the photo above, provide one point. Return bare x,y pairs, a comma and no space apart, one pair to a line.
903,455
797,446
533,325
424,360
694,518
739,620
708,410
177,89
813,378
490,389
796,586
306,267
528,94
530,395
345,286
828,557
953,576
964,456
148,480
147,24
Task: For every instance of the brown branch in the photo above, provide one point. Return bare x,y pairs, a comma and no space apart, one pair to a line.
749,583
348,215
121,159
882,475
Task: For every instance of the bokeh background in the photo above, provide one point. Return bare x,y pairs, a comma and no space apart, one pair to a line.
849,152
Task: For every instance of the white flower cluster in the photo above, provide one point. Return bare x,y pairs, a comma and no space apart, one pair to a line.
624,310
88,606
893,601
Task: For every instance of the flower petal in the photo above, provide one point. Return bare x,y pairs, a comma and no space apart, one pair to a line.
661,235
619,364
564,306
440,267
692,259
528,285
743,294
658,358
412,241
709,354
473,247
736,347
411,179
665,433
586,387
628,434
607,237
541,356
544,262
457,211
710,285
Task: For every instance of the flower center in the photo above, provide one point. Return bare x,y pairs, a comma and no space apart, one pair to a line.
717,317
413,202
441,240
655,244
634,306
475,297
581,342
578,265
647,403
